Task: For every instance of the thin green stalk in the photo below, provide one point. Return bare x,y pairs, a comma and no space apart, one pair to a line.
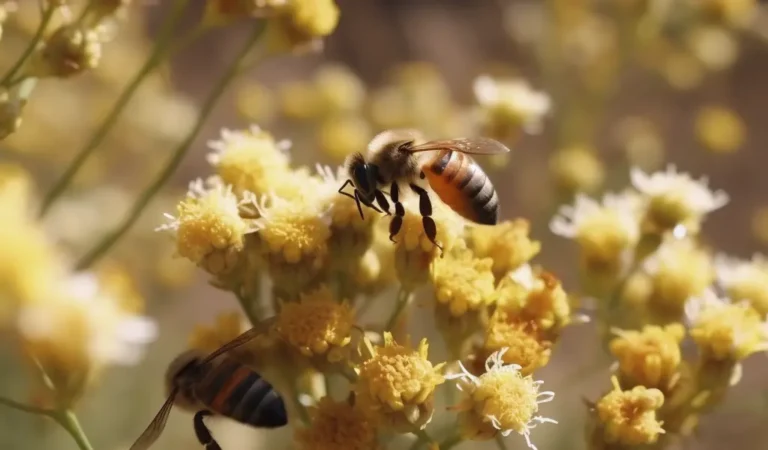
499,442
158,54
421,438
450,442
178,155
46,19
68,420
403,298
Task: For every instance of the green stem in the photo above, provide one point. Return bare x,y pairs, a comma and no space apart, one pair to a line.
25,408
450,442
47,16
421,438
158,54
178,155
403,298
499,442
68,420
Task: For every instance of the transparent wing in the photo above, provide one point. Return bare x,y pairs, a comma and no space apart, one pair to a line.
258,329
156,427
475,145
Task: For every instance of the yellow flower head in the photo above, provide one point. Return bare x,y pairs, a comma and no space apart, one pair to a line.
650,357
463,283
744,280
726,331
508,244
501,398
720,129
522,340
510,106
340,90
676,201
317,324
336,425
396,383
577,169
249,160
679,270
606,232
294,229
81,330
302,23
209,230
343,135
629,417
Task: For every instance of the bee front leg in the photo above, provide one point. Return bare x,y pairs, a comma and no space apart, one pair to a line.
425,209
382,201
203,434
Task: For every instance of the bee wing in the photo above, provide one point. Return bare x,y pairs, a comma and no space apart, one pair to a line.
258,329
474,145
156,427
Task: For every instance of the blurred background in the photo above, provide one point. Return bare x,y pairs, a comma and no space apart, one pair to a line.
689,91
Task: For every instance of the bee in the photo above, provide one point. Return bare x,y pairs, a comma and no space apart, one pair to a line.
217,385
394,159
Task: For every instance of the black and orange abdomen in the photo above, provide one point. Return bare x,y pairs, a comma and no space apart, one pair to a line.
233,390
462,185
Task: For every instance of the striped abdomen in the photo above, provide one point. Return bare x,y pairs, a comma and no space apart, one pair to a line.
233,390
463,186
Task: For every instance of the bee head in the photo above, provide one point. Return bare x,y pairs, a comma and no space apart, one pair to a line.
179,374
363,176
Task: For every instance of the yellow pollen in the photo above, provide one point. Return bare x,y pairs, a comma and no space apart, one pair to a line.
463,283
629,417
508,397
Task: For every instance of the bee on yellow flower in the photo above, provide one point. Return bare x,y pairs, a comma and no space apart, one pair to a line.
676,202
337,425
396,384
501,400
744,280
629,417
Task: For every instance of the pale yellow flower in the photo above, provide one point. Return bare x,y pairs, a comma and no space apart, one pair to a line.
726,331
577,169
501,400
629,417
650,357
463,283
744,280
510,106
508,244
717,48
720,129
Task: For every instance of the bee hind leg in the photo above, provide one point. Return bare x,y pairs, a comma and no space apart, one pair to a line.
397,221
203,434
425,209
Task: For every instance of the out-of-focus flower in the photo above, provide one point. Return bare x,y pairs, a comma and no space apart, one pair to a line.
256,103
81,330
302,23
70,50
396,384
726,331
224,11
629,417
675,199
577,169
339,89
501,400
642,142
714,46
525,21
682,70
605,232
340,136
209,230
760,224
249,160
335,425
744,280
736,13
463,283
679,271
720,130
10,114
317,325
509,106
508,244
650,357
299,100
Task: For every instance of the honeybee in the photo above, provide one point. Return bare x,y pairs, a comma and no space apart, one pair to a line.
393,159
217,385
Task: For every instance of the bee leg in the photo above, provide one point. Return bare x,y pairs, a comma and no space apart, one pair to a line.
425,209
203,434
382,201
397,221
355,197
359,207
